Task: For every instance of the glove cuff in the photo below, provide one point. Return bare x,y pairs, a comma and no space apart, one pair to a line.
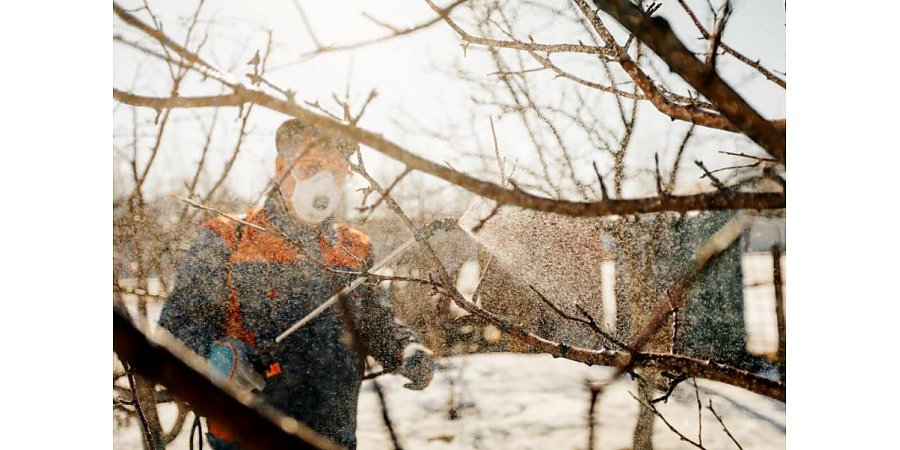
411,349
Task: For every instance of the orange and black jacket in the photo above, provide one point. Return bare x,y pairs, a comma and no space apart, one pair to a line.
240,282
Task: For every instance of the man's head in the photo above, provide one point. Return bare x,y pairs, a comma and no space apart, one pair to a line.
313,166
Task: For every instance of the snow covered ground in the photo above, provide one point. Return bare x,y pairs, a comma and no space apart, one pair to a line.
519,401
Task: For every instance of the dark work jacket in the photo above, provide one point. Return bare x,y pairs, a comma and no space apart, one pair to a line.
237,281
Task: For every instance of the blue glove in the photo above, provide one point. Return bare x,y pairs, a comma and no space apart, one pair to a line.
418,366
230,366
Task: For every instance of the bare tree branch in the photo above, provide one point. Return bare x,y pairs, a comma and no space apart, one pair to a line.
754,64
673,175
603,194
530,46
386,416
665,421
309,30
589,322
715,39
699,412
656,33
195,61
719,418
707,174
596,391
514,197
561,73
396,32
255,426
393,184
742,154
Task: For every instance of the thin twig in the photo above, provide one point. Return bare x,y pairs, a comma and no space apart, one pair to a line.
744,166
742,154
590,322
716,38
385,416
676,380
306,23
532,46
317,106
372,207
603,194
548,64
723,426
482,222
518,93
372,94
392,204
242,134
754,64
395,32
665,421
673,175
500,162
221,213
192,186
659,184
596,390
599,330
707,174
699,412
504,73
192,59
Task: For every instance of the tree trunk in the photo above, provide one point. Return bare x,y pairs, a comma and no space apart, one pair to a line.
643,431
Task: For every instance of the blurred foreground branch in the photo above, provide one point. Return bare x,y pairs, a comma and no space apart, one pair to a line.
254,426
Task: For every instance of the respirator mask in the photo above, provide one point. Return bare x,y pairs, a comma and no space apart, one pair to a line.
317,192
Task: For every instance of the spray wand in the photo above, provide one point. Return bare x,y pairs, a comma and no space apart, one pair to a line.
422,234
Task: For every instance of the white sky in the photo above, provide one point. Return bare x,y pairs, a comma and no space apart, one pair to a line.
411,75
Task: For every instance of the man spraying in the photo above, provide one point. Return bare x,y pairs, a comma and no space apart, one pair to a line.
240,286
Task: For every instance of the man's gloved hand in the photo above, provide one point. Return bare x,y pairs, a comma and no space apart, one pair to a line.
230,365
418,366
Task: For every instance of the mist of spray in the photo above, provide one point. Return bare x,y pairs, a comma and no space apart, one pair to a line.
558,255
